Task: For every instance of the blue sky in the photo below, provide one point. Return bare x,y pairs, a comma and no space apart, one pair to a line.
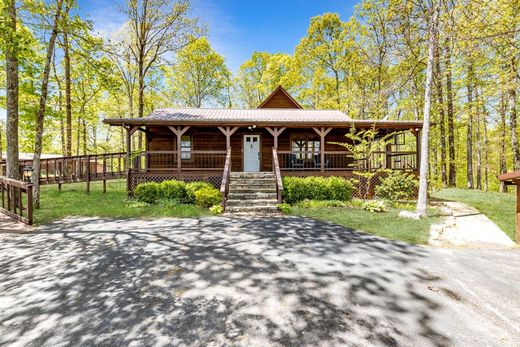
237,28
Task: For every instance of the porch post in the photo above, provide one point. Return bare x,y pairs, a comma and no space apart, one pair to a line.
179,132
129,132
228,131
275,132
322,132
517,186
417,134
388,155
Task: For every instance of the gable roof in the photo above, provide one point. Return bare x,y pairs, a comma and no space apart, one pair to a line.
280,98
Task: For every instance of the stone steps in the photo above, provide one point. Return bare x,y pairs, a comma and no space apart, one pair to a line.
251,192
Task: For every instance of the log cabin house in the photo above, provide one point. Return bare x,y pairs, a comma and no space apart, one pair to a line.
279,136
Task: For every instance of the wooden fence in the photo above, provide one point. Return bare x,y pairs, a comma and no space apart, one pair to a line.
17,199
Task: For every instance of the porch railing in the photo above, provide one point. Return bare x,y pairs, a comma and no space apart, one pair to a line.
277,176
17,199
168,160
346,161
224,187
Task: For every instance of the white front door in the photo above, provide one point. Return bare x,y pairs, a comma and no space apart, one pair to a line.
252,153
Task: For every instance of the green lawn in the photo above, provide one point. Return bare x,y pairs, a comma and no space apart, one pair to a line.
388,224
72,200
499,207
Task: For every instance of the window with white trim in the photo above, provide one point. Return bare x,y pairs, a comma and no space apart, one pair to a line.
185,147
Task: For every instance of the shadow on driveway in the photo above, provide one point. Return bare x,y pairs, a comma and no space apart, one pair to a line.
213,281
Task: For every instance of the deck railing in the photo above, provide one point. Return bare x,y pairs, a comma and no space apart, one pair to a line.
78,168
17,199
224,187
346,161
167,160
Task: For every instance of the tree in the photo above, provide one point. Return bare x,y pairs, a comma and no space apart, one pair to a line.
423,173
10,43
199,75
40,117
158,28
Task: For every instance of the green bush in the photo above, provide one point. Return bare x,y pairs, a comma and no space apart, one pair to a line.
207,197
147,192
375,206
297,189
216,209
285,208
397,186
172,190
321,203
192,187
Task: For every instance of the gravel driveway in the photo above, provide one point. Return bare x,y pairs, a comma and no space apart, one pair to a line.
272,281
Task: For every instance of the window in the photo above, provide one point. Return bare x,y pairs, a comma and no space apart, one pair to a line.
305,149
185,147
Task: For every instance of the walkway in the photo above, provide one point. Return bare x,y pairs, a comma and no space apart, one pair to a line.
466,227
227,281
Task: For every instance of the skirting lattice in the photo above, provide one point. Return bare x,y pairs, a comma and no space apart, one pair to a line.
135,178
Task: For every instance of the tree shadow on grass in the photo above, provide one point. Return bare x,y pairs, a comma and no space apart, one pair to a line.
218,281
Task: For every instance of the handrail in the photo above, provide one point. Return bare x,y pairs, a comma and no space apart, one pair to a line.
224,187
277,176
12,201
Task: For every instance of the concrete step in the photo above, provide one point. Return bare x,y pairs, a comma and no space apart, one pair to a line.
252,191
252,209
251,174
255,202
251,196
246,187
252,180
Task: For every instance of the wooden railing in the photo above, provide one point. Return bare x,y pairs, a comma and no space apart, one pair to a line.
277,176
224,187
17,199
167,160
79,168
346,161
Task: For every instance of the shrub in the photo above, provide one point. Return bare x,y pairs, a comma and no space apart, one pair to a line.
316,188
147,192
374,206
285,208
397,186
216,209
321,203
172,190
207,197
192,187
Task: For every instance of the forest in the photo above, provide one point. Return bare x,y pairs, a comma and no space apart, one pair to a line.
62,78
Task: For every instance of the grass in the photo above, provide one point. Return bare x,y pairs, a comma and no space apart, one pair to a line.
499,207
388,224
72,200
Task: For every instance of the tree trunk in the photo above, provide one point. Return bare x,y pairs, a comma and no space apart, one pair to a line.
486,148
442,128
40,117
60,109
84,137
478,118
452,179
513,120
68,102
423,175
78,134
503,131
469,133
11,69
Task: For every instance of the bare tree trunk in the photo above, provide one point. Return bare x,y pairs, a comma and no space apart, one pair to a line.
486,148
503,130
78,134
423,175
84,137
442,126
38,139
68,102
513,120
452,179
469,133
60,109
11,69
